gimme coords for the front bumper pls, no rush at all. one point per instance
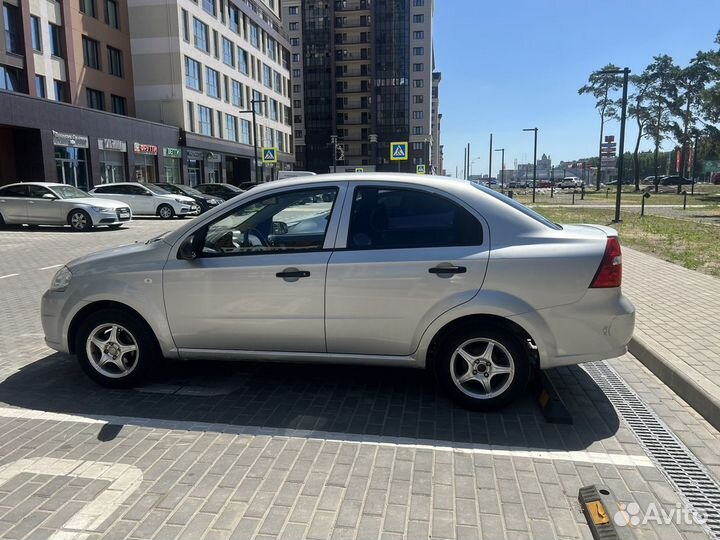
(52, 317)
(188, 210)
(111, 216)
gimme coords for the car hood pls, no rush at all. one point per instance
(183, 198)
(97, 201)
(122, 258)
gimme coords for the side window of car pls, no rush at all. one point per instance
(390, 218)
(14, 191)
(36, 192)
(108, 189)
(291, 221)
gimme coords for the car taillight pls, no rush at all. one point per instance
(609, 274)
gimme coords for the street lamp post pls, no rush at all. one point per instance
(334, 141)
(258, 171)
(490, 161)
(502, 170)
(534, 161)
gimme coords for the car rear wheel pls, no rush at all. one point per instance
(79, 220)
(483, 369)
(165, 211)
(115, 348)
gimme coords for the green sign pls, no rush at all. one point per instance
(711, 166)
(172, 152)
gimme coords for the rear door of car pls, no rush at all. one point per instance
(116, 192)
(405, 255)
(13, 203)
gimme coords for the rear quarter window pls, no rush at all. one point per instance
(519, 207)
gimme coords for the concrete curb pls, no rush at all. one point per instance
(707, 405)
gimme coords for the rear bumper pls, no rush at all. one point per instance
(597, 327)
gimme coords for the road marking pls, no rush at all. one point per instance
(404, 442)
(49, 267)
(9, 275)
(124, 480)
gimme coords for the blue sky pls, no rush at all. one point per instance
(514, 64)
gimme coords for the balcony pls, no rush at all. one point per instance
(345, 6)
(350, 57)
(352, 24)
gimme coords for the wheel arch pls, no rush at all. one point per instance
(70, 213)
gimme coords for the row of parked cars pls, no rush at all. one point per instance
(111, 205)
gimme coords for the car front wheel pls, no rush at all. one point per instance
(80, 221)
(165, 211)
(115, 348)
(483, 369)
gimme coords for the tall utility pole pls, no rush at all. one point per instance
(502, 170)
(490, 161)
(258, 170)
(467, 160)
(464, 163)
(534, 161)
(621, 158)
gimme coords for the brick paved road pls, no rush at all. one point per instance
(273, 451)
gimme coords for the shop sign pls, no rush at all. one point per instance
(70, 139)
(214, 157)
(172, 152)
(112, 144)
(150, 149)
(194, 154)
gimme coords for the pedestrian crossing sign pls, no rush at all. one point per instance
(269, 155)
(398, 151)
(420, 169)
(359, 169)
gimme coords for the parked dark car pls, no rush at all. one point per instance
(247, 185)
(224, 191)
(674, 180)
(206, 202)
(716, 179)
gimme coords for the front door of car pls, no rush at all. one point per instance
(13, 203)
(405, 255)
(117, 192)
(258, 282)
(41, 209)
(143, 200)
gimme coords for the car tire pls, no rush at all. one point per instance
(495, 363)
(114, 367)
(165, 211)
(80, 221)
(2, 221)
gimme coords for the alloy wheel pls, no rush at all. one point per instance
(112, 350)
(482, 368)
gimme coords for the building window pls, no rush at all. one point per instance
(231, 127)
(95, 99)
(13, 41)
(59, 91)
(418, 51)
(417, 130)
(296, 73)
(237, 94)
(267, 76)
(258, 105)
(242, 61)
(293, 26)
(185, 26)
(271, 49)
(418, 3)
(91, 52)
(293, 10)
(220, 124)
(115, 62)
(296, 57)
(418, 99)
(419, 34)
(88, 7)
(205, 120)
(36, 36)
(419, 19)
(245, 131)
(273, 110)
(212, 78)
(209, 6)
(55, 47)
(418, 146)
(296, 89)
(191, 117)
(254, 36)
(234, 19)
(418, 83)
(418, 115)
(40, 86)
(112, 13)
(201, 35)
(192, 74)
(294, 42)
(119, 104)
(228, 52)
(216, 45)
(10, 79)
(418, 68)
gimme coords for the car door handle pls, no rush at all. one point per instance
(292, 273)
(448, 270)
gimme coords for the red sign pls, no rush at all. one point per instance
(677, 161)
(145, 149)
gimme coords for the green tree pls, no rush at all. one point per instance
(600, 85)
(639, 109)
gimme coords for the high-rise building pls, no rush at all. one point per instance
(362, 75)
(436, 159)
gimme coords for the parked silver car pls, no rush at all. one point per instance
(148, 199)
(375, 269)
(48, 203)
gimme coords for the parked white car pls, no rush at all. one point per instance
(570, 182)
(148, 200)
(49, 203)
(372, 269)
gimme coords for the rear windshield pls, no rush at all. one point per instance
(517, 206)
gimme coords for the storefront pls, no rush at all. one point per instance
(173, 159)
(195, 167)
(145, 162)
(214, 167)
(113, 159)
(71, 159)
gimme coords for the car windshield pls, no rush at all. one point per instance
(157, 190)
(517, 206)
(69, 192)
(187, 190)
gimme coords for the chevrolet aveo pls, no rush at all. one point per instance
(372, 269)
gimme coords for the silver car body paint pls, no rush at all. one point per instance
(371, 306)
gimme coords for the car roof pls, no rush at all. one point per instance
(122, 184)
(44, 184)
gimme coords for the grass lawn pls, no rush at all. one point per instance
(693, 245)
(704, 194)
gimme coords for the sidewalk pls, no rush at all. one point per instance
(677, 332)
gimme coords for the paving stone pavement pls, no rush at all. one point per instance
(295, 451)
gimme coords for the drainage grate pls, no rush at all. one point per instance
(698, 489)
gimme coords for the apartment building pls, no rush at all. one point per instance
(436, 158)
(202, 65)
(362, 73)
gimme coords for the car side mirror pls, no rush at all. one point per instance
(187, 251)
(49, 196)
(279, 228)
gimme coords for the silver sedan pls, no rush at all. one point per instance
(47, 203)
(373, 269)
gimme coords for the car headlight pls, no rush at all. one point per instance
(181, 201)
(61, 279)
(101, 209)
